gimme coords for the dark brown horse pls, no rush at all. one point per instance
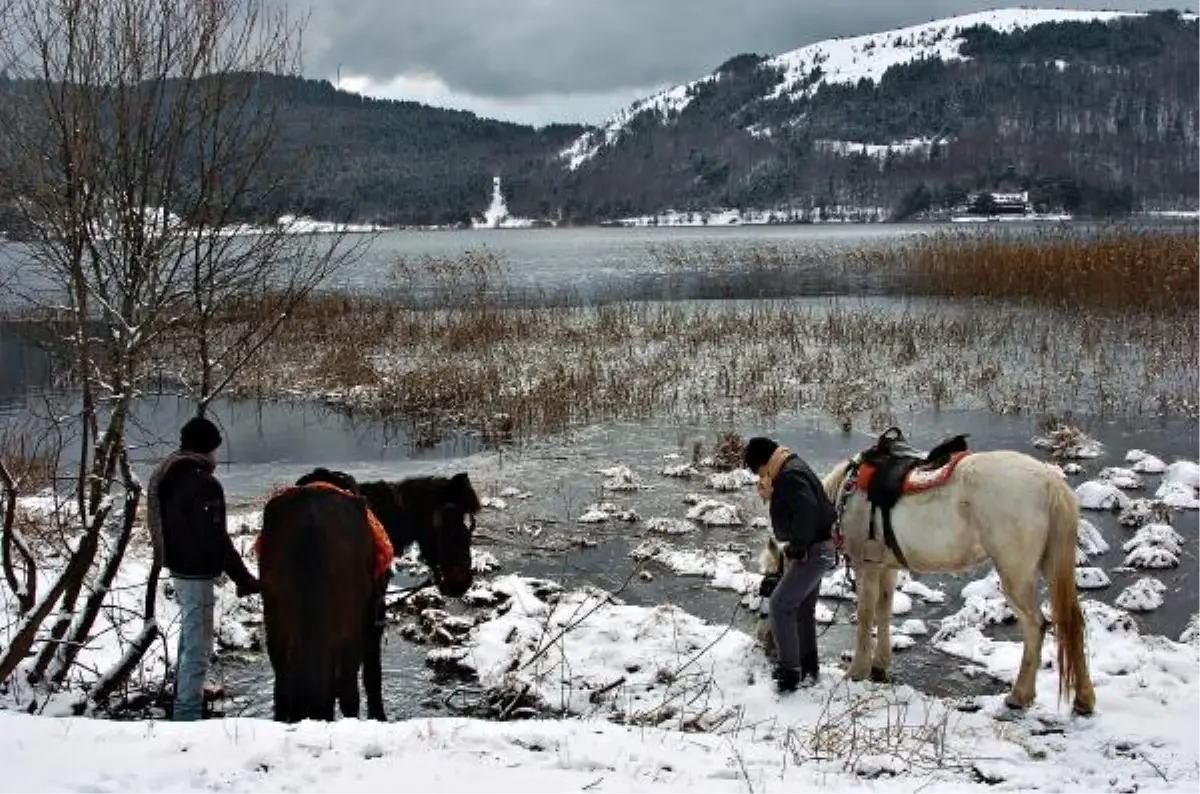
(323, 581)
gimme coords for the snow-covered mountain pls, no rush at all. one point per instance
(836, 61)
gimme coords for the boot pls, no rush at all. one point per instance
(786, 679)
(810, 670)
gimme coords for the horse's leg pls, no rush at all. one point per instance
(348, 697)
(372, 666)
(882, 660)
(277, 653)
(866, 589)
(1021, 592)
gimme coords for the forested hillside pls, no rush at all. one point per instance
(1095, 116)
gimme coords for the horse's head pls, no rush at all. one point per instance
(447, 548)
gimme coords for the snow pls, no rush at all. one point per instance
(622, 478)
(661, 671)
(712, 512)
(1144, 595)
(1180, 486)
(1154, 546)
(724, 569)
(1125, 479)
(663, 525)
(591, 657)
(880, 151)
(237, 621)
(1097, 495)
(1091, 579)
(840, 61)
(734, 480)
(1091, 542)
(662, 105)
(1145, 463)
(604, 511)
(849, 60)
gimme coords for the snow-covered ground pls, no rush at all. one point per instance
(760, 217)
(237, 620)
(667, 675)
(621, 696)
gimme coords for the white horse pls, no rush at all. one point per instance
(1001, 505)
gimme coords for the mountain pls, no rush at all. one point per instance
(343, 156)
(1093, 112)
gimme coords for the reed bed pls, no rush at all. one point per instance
(512, 373)
(1119, 269)
(1068, 324)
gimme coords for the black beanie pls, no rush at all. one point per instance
(758, 451)
(200, 436)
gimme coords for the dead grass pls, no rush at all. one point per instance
(31, 466)
(530, 371)
(1118, 269)
(442, 346)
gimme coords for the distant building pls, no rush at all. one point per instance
(990, 203)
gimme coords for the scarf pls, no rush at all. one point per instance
(766, 480)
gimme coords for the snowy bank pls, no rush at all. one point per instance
(237, 622)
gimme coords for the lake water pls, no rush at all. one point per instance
(270, 443)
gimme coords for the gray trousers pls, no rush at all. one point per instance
(794, 605)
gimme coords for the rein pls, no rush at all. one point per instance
(409, 592)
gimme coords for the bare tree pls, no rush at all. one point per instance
(141, 133)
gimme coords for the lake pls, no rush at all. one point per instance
(273, 442)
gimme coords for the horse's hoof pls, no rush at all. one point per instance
(1014, 704)
(1083, 709)
(880, 676)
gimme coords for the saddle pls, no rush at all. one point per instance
(893, 467)
(345, 484)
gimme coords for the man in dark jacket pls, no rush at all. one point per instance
(802, 518)
(186, 517)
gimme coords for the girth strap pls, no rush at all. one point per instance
(889, 535)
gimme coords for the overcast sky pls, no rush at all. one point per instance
(540, 61)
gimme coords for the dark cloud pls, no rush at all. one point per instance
(511, 49)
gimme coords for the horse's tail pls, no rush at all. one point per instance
(1059, 569)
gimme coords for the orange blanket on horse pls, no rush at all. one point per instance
(383, 544)
(918, 479)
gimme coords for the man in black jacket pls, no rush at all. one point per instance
(186, 517)
(802, 518)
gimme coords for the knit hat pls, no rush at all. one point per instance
(758, 451)
(200, 436)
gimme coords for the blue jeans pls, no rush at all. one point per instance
(197, 602)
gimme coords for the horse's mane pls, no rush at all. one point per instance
(339, 479)
(832, 482)
(426, 494)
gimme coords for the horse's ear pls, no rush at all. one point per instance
(464, 493)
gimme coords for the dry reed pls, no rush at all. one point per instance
(1117, 269)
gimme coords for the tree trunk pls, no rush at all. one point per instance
(120, 672)
(9, 537)
(27, 634)
(82, 628)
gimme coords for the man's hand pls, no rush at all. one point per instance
(249, 587)
(795, 554)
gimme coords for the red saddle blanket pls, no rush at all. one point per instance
(918, 478)
(383, 544)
